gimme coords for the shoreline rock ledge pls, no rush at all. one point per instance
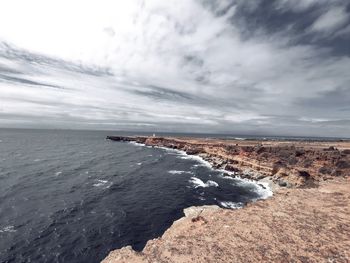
(307, 221)
(286, 163)
(296, 225)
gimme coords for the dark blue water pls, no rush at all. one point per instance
(72, 196)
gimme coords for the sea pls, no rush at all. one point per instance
(73, 196)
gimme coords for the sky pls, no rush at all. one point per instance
(261, 67)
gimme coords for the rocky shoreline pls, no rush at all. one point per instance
(307, 220)
(286, 163)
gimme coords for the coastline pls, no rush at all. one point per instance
(306, 220)
(265, 182)
(295, 225)
(284, 163)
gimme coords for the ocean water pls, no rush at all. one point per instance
(72, 196)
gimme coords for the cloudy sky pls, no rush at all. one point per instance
(272, 67)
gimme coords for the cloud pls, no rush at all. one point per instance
(331, 20)
(213, 66)
(299, 6)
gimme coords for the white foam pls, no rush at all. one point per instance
(100, 183)
(199, 183)
(229, 175)
(137, 143)
(231, 205)
(37, 160)
(176, 172)
(182, 154)
(196, 158)
(262, 188)
(179, 172)
(212, 183)
(9, 229)
(139, 163)
(264, 191)
(58, 173)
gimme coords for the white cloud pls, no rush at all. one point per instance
(296, 5)
(176, 65)
(331, 20)
(305, 5)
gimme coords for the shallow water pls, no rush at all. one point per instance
(72, 196)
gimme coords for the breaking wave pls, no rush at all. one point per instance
(196, 182)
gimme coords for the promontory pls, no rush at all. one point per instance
(306, 220)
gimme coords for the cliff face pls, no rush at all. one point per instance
(288, 164)
(296, 225)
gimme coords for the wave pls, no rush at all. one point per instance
(199, 183)
(137, 143)
(262, 188)
(8, 229)
(179, 172)
(195, 158)
(100, 183)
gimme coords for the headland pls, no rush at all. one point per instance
(307, 219)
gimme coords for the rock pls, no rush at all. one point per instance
(124, 255)
(282, 183)
(304, 174)
(307, 163)
(337, 173)
(343, 165)
(260, 176)
(292, 160)
(231, 168)
(195, 211)
(331, 148)
(325, 170)
(260, 150)
(299, 152)
(192, 151)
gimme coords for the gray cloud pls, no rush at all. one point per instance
(21, 81)
(335, 100)
(159, 93)
(233, 66)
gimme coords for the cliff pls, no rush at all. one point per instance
(306, 221)
(296, 225)
(291, 164)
